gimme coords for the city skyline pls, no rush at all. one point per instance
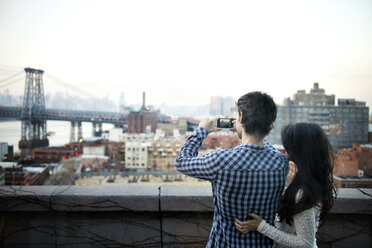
(64, 100)
(184, 53)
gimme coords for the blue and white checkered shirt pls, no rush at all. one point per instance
(246, 179)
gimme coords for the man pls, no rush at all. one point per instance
(247, 179)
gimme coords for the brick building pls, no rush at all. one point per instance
(346, 166)
(53, 154)
(354, 162)
(24, 175)
(139, 120)
(114, 150)
(221, 140)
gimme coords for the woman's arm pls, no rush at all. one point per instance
(305, 226)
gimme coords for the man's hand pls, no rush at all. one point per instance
(292, 170)
(208, 124)
(233, 122)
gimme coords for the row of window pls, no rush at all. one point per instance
(356, 110)
(135, 158)
(135, 164)
(135, 149)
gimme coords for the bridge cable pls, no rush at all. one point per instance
(12, 82)
(69, 85)
(12, 67)
(11, 77)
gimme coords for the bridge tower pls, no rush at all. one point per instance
(34, 133)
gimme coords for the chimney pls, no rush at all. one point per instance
(143, 100)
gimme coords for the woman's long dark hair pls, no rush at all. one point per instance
(308, 147)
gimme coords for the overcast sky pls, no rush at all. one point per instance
(184, 52)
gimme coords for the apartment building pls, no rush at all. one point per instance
(345, 123)
(136, 155)
(163, 152)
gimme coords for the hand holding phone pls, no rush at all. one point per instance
(225, 123)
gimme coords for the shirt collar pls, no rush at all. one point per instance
(253, 146)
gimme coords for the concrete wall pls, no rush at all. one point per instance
(145, 216)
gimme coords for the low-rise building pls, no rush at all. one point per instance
(114, 134)
(170, 126)
(355, 161)
(38, 174)
(114, 150)
(352, 182)
(53, 154)
(94, 149)
(93, 162)
(221, 140)
(345, 166)
(163, 152)
(16, 174)
(138, 137)
(136, 155)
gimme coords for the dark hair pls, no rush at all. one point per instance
(308, 147)
(259, 113)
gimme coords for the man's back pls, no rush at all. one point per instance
(246, 179)
(251, 181)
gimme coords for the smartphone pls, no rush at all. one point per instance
(225, 123)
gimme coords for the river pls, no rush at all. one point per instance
(10, 132)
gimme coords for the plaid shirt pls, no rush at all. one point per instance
(246, 179)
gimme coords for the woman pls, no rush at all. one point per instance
(310, 194)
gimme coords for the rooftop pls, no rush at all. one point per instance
(147, 216)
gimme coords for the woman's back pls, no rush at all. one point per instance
(309, 197)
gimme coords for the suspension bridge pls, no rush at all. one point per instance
(34, 115)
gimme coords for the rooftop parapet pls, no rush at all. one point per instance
(146, 216)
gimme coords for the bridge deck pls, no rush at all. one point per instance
(65, 115)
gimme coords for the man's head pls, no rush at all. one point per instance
(257, 113)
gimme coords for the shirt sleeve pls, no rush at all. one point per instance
(305, 226)
(188, 163)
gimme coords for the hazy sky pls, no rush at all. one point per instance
(183, 52)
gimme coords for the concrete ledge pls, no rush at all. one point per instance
(353, 201)
(79, 198)
(186, 199)
(142, 198)
(146, 216)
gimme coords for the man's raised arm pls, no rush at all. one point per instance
(188, 163)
